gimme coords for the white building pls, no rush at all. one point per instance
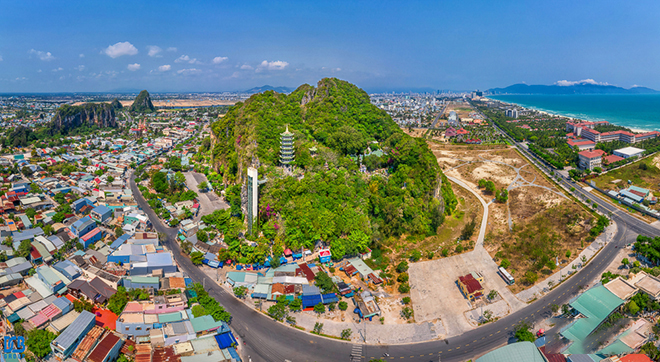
(629, 152)
(253, 196)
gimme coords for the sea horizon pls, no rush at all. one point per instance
(639, 112)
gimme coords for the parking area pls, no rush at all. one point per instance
(435, 293)
(208, 201)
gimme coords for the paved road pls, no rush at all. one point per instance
(437, 118)
(268, 340)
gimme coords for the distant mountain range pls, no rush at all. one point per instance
(269, 87)
(578, 88)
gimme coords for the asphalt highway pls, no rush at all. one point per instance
(268, 340)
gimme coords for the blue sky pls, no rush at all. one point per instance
(379, 45)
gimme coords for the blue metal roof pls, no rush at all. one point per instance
(120, 240)
(225, 340)
(101, 210)
(630, 195)
(62, 303)
(329, 298)
(82, 223)
(311, 300)
(77, 328)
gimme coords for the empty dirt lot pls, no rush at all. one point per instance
(435, 294)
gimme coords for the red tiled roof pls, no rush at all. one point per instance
(592, 154)
(612, 158)
(580, 142)
(636, 358)
(35, 254)
(50, 311)
(637, 193)
(309, 274)
(553, 357)
(103, 348)
(374, 278)
(91, 234)
(277, 288)
(470, 283)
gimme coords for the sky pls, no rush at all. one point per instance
(213, 46)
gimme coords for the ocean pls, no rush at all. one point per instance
(639, 112)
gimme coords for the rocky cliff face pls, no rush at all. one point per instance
(89, 114)
(116, 104)
(142, 103)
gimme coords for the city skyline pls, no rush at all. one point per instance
(208, 46)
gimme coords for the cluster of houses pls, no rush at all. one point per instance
(635, 196)
(102, 242)
(460, 135)
(590, 311)
(295, 278)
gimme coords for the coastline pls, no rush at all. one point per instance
(556, 114)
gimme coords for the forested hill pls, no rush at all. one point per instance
(334, 202)
(68, 117)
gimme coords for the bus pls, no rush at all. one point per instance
(505, 275)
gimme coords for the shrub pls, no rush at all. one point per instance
(404, 288)
(402, 278)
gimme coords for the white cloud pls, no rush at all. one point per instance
(189, 71)
(171, 49)
(154, 50)
(80, 68)
(119, 49)
(336, 69)
(39, 71)
(185, 58)
(568, 83)
(218, 60)
(133, 67)
(274, 65)
(246, 67)
(45, 56)
(0, 58)
(58, 69)
(164, 68)
(81, 55)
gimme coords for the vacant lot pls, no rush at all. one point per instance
(445, 243)
(536, 226)
(644, 173)
(462, 109)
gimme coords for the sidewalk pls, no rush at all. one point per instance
(376, 333)
(543, 288)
